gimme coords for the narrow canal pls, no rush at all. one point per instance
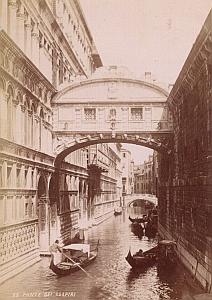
(112, 277)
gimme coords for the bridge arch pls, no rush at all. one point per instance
(160, 144)
(143, 201)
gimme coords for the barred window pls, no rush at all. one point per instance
(90, 114)
(137, 113)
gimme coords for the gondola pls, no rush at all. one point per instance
(75, 257)
(137, 228)
(150, 229)
(167, 256)
(138, 220)
(142, 260)
(117, 211)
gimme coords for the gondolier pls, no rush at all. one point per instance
(56, 252)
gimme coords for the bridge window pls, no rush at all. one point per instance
(90, 114)
(136, 113)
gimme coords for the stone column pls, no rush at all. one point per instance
(27, 28)
(35, 45)
(20, 27)
(12, 19)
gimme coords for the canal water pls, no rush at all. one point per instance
(112, 277)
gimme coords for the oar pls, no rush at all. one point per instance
(78, 265)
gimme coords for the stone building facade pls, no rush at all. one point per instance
(44, 46)
(127, 172)
(185, 176)
(144, 177)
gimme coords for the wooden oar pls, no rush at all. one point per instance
(77, 265)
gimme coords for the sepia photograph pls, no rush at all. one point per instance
(106, 149)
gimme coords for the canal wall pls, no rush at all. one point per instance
(198, 269)
(19, 264)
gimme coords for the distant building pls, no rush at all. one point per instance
(143, 177)
(127, 172)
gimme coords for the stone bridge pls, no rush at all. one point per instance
(110, 107)
(129, 199)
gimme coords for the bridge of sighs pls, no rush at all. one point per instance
(110, 107)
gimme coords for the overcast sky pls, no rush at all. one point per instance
(146, 35)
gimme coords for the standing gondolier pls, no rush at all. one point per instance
(56, 251)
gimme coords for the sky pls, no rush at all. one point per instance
(146, 36)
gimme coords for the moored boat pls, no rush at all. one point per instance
(164, 254)
(74, 258)
(139, 220)
(117, 211)
(137, 230)
(167, 256)
(142, 260)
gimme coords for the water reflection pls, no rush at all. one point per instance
(112, 277)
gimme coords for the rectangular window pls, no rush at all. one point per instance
(137, 113)
(90, 114)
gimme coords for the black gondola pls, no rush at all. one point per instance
(167, 256)
(150, 229)
(164, 254)
(138, 220)
(142, 260)
(72, 263)
(137, 230)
